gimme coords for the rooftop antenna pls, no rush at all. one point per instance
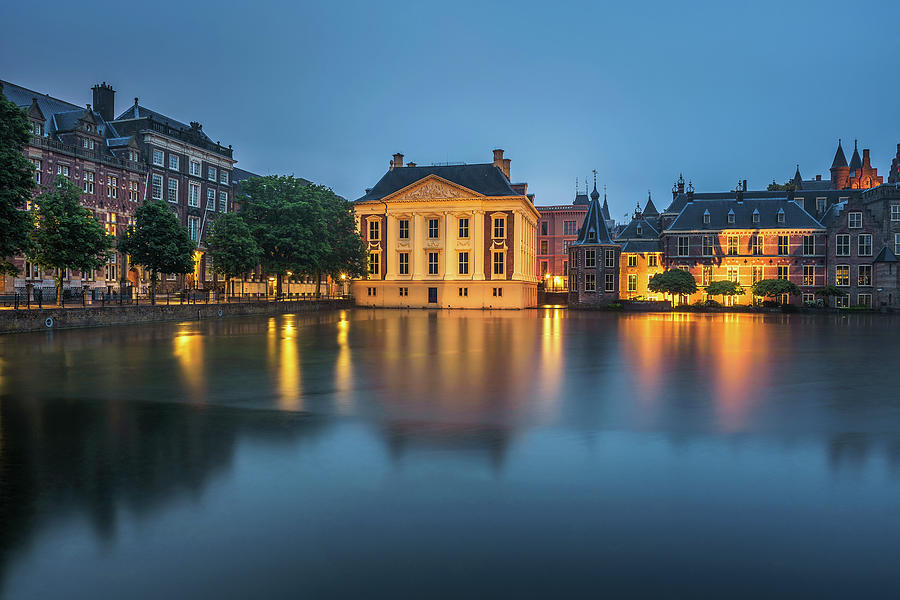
(604, 192)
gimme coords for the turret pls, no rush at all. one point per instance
(840, 172)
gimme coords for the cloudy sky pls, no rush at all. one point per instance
(639, 91)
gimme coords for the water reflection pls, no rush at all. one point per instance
(515, 420)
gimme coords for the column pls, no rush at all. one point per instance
(390, 256)
(478, 243)
(448, 266)
(417, 256)
(518, 249)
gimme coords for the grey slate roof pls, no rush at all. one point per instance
(814, 185)
(594, 230)
(641, 246)
(136, 111)
(486, 179)
(22, 97)
(839, 159)
(691, 217)
(605, 208)
(832, 214)
(886, 255)
(650, 209)
(855, 160)
(648, 230)
(581, 200)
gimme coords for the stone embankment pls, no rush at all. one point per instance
(24, 320)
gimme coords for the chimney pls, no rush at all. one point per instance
(498, 159)
(398, 160)
(867, 164)
(818, 178)
(505, 168)
(410, 164)
(105, 101)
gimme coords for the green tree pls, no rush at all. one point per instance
(231, 248)
(787, 186)
(339, 250)
(66, 235)
(16, 183)
(158, 242)
(279, 212)
(723, 288)
(829, 291)
(773, 288)
(674, 282)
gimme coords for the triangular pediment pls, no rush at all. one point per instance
(35, 112)
(432, 187)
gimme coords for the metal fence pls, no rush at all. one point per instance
(98, 297)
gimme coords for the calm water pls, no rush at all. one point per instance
(455, 454)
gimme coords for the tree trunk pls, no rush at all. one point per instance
(318, 284)
(59, 284)
(152, 286)
(278, 284)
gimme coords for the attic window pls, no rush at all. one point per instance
(781, 215)
(731, 216)
(592, 236)
(640, 229)
(706, 217)
(756, 215)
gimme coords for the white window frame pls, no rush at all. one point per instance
(842, 244)
(157, 183)
(590, 258)
(860, 249)
(211, 173)
(159, 157)
(194, 194)
(170, 189)
(174, 162)
(223, 201)
(434, 263)
(684, 245)
(590, 282)
(854, 220)
(223, 176)
(194, 168)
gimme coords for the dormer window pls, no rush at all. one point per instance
(781, 215)
(706, 217)
(731, 217)
(592, 236)
(756, 215)
(640, 230)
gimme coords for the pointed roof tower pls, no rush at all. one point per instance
(855, 160)
(594, 230)
(650, 209)
(798, 179)
(839, 159)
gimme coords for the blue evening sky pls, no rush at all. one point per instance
(639, 91)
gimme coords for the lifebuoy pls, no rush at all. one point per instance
(220, 312)
(48, 322)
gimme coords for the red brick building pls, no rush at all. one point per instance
(557, 228)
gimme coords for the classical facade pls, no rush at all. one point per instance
(594, 261)
(454, 236)
(83, 145)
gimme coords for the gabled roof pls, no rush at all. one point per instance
(136, 111)
(839, 159)
(23, 98)
(650, 209)
(641, 246)
(648, 230)
(581, 200)
(593, 230)
(886, 255)
(832, 213)
(855, 160)
(485, 179)
(691, 217)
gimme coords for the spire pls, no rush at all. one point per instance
(839, 159)
(605, 209)
(595, 195)
(650, 209)
(594, 229)
(798, 179)
(855, 161)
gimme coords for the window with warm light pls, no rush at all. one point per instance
(842, 275)
(732, 245)
(809, 275)
(864, 275)
(783, 244)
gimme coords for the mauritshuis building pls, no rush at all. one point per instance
(842, 231)
(119, 162)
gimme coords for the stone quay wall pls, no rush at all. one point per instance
(24, 320)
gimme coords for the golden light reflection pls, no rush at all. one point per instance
(343, 372)
(289, 392)
(552, 363)
(188, 350)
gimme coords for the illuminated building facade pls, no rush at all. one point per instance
(642, 255)
(557, 228)
(594, 261)
(448, 236)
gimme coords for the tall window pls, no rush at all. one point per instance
(112, 186)
(706, 217)
(820, 205)
(897, 244)
(610, 259)
(755, 215)
(842, 275)
(195, 168)
(133, 191)
(434, 228)
(783, 244)
(756, 274)
(544, 247)
(895, 210)
(732, 241)
(590, 259)
(632, 260)
(708, 245)
(432, 263)
(780, 215)
(854, 220)
(864, 244)
(499, 227)
(64, 171)
(544, 227)
(88, 182)
(610, 282)
(404, 229)
(404, 263)
(569, 227)
(374, 231)
(706, 275)
(732, 274)
(223, 176)
(783, 272)
(590, 282)
(223, 201)
(632, 282)
(499, 263)
(464, 228)
(173, 190)
(809, 245)
(211, 173)
(156, 188)
(173, 162)
(158, 158)
(731, 217)
(842, 244)
(463, 263)
(111, 267)
(110, 225)
(757, 245)
(809, 275)
(864, 275)
(194, 196)
(374, 263)
(37, 169)
(210, 199)
(684, 245)
(194, 228)
(652, 261)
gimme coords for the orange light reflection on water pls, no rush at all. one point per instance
(188, 351)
